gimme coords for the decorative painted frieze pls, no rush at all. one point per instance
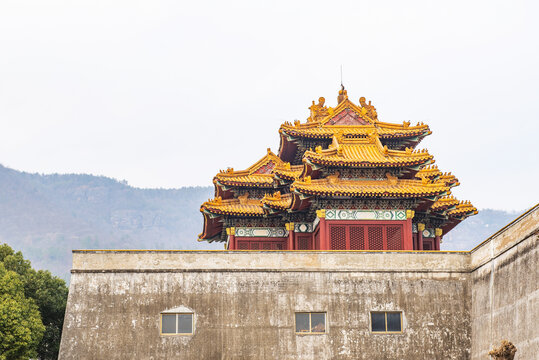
(333, 214)
(303, 227)
(261, 232)
(429, 233)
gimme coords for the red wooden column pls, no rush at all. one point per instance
(408, 243)
(438, 233)
(231, 232)
(420, 228)
(291, 235)
(324, 240)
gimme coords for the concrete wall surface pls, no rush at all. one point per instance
(455, 305)
(250, 314)
(505, 289)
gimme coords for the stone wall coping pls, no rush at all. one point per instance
(151, 261)
(509, 236)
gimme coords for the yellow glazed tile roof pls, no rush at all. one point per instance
(366, 152)
(391, 187)
(264, 180)
(449, 179)
(430, 172)
(278, 201)
(242, 206)
(287, 171)
(463, 209)
(324, 123)
(327, 131)
(444, 203)
(258, 174)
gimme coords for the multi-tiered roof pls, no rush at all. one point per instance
(341, 157)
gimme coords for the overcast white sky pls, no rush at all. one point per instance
(166, 93)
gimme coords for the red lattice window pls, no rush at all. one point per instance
(262, 244)
(243, 245)
(304, 242)
(357, 237)
(351, 235)
(317, 239)
(376, 238)
(394, 237)
(338, 237)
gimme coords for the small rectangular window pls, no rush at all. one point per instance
(177, 324)
(311, 323)
(386, 321)
(168, 323)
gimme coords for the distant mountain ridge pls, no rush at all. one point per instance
(46, 216)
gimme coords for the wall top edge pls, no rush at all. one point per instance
(150, 251)
(260, 260)
(523, 216)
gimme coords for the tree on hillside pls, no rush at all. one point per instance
(31, 289)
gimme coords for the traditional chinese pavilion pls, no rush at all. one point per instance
(342, 180)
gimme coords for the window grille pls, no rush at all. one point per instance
(338, 237)
(243, 245)
(255, 246)
(357, 238)
(376, 240)
(394, 237)
(266, 246)
(303, 242)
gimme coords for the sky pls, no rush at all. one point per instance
(166, 93)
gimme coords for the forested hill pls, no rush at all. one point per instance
(46, 216)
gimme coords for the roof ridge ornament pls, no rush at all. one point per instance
(372, 136)
(392, 180)
(318, 111)
(334, 178)
(370, 110)
(343, 95)
(244, 198)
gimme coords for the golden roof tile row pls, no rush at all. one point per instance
(444, 203)
(463, 209)
(391, 187)
(366, 152)
(241, 206)
(278, 201)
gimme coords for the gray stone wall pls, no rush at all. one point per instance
(456, 305)
(505, 289)
(246, 310)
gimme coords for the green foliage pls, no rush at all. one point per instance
(21, 328)
(31, 310)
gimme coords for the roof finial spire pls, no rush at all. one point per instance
(342, 93)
